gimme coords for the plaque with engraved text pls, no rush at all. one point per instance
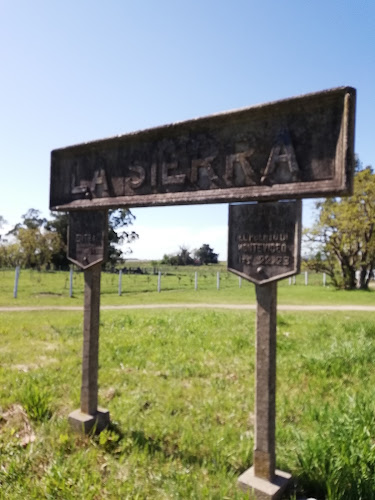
(294, 148)
(264, 240)
(87, 237)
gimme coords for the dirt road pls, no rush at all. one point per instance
(249, 307)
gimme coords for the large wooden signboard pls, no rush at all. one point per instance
(295, 148)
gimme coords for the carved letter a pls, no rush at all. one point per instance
(99, 184)
(282, 166)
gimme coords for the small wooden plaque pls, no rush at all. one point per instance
(87, 237)
(264, 240)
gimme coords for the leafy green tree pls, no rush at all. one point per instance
(206, 255)
(30, 220)
(119, 235)
(119, 222)
(58, 224)
(343, 238)
(169, 260)
(9, 254)
(35, 245)
(2, 223)
(182, 258)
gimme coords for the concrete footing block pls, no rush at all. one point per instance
(84, 423)
(262, 489)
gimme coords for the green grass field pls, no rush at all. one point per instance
(52, 288)
(179, 385)
(180, 389)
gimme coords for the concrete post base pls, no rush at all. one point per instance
(84, 423)
(261, 488)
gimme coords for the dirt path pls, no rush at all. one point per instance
(249, 307)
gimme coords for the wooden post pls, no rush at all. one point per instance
(89, 414)
(16, 278)
(120, 282)
(265, 387)
(159, 281)
(71, 282)
(262, 478)
(89, 388)
(218, 280)
(196, 281)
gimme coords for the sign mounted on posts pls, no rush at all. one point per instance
(87, 237)
(264, 240)
(287, 150)
(294, 148)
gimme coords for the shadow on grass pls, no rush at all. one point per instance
(117, 442)
(166, 447)
(307, 487)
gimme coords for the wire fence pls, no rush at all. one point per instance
(71, 283)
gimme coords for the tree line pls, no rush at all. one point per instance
(342, 241)
(37, 242)
(203, 255)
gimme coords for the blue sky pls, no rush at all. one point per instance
(76, 71)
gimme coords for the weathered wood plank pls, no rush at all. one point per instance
(295, 148)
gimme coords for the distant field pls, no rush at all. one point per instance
(180, 389)
(177, 286)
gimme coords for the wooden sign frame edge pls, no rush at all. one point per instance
(341, 184)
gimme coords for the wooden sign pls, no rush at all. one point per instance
(295, 148)
(87, 237)
(264, 240)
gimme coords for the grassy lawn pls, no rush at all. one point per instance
(52, 288)
(180, 389)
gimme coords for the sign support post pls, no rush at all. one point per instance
(263, 478)
(120, 282)
(87, 237)
(89, 388)
(265, 390)
(263, 247)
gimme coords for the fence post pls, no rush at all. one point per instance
(71, 282)
(239, 282)
(290, 281)
(294, 279)
(218, 280)
(15, 289)
(159, 281)
(196, 280)
(306, 278)
(324, 279)
(120, 282)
